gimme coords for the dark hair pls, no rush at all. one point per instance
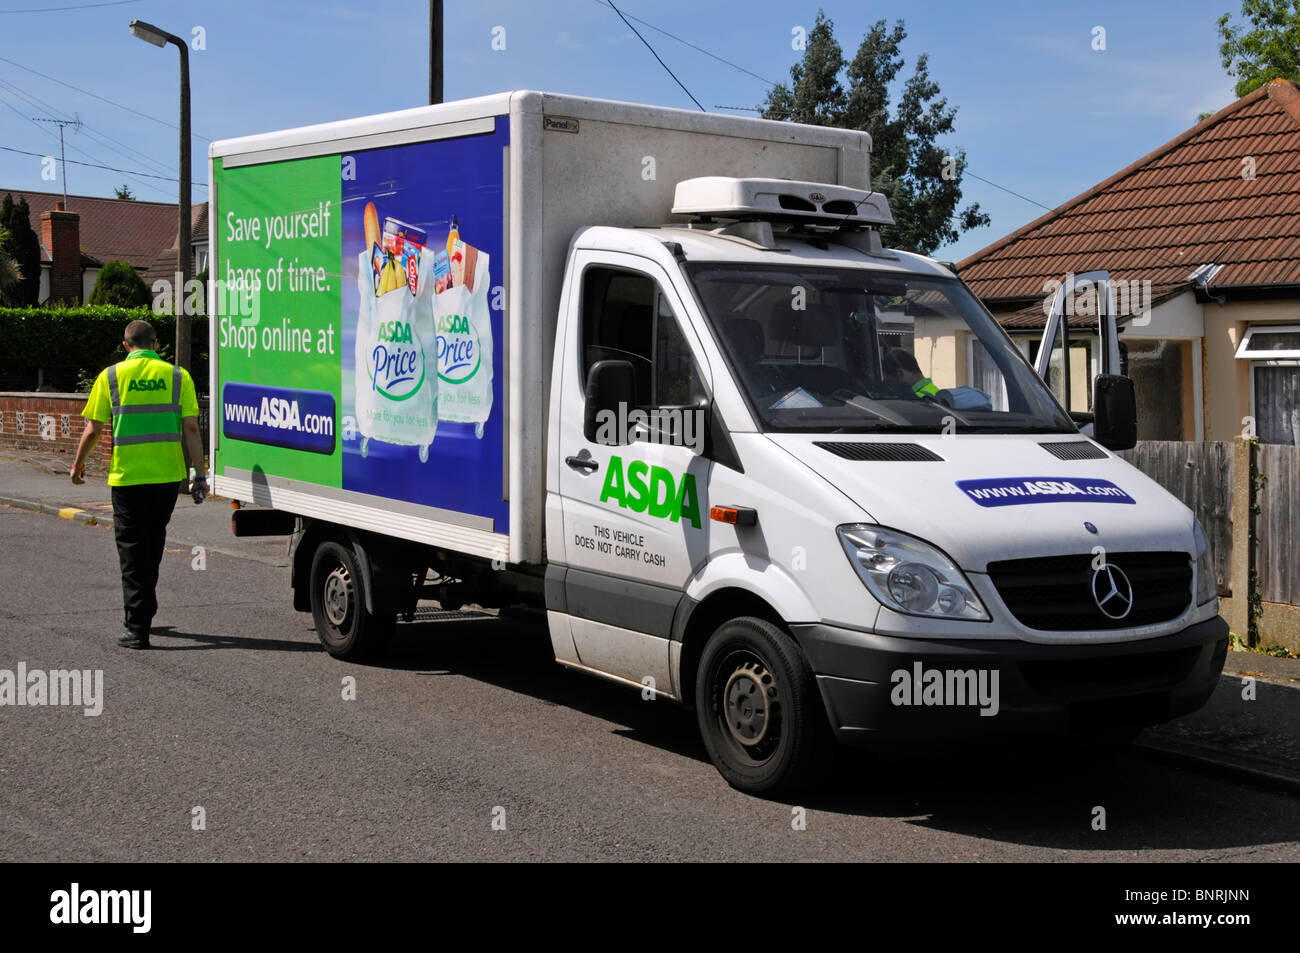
(903, 360)
(140, 334)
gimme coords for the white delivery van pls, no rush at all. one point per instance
(653, 371)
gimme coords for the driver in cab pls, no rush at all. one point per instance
(901, 366)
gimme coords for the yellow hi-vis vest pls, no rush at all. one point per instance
(144, 395)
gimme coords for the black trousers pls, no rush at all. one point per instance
(140, 517)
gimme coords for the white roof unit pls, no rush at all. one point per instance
(814, 202)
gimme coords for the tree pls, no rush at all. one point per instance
(10, 273)
(24, 248)
(921, 180)
(119, 284)
(1269, 50)
(123, 191)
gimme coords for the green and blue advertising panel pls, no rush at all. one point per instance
(360, 326)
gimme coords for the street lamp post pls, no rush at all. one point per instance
(151, 34)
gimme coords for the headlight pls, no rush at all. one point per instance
(909, 575)
(1206, 584)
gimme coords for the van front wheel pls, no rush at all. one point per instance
(759, 710)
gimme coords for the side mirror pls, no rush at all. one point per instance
(610, 386)
(1114, 407)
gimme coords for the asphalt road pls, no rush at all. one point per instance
(240, 712)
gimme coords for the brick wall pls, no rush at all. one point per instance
(49, 423)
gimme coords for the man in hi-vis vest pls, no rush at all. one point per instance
(151, 407)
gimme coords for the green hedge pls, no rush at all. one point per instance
(64, 349)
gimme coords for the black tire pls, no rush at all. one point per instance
(338, 606)
(778, 746)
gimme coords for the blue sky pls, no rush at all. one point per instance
(1039, 111)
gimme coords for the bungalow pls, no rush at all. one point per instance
(77, 241)
(1207, 230)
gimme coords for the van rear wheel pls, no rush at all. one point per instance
(759, 710)
(338, 606)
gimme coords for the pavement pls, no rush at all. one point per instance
(1249, 730)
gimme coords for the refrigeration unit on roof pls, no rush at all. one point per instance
(814, 203)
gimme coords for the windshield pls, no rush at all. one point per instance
(856, 351)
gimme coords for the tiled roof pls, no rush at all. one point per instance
(126, 229)
(1033, 317)
(1185, 205)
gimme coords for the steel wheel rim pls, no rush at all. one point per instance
(339, 597)
(747, 706)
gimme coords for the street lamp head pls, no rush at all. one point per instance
(149, 33)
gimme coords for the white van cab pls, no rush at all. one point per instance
(888, 523)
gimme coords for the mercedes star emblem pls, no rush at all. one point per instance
(1112, 591)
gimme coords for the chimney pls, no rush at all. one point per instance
(61, 236)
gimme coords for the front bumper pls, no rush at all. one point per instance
(881, 691)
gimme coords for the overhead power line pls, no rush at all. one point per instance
(674, 36)
(96, 165)
(78, 6)
(655, 55)
(965, 170)
(97, 162)
(103, 99)
(38, 103)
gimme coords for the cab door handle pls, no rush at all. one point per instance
(585, 464)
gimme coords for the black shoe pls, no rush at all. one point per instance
(127, 640)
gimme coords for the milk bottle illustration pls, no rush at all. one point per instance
(463, 322)
(396, 388)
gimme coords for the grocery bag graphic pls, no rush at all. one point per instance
(463, 318)
(396, 385)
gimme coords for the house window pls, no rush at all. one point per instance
(1271, 342)
(1274, 353)
(1275, 401)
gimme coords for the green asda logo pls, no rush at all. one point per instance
(147, 385)
(458, 349)
(396, 332)
(651, 489)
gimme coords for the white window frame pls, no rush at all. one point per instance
(1245, 353)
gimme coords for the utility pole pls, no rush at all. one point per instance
(435, 52)
(63, 159)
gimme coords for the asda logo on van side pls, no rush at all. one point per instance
(458, 349)
(396, 364)
(650, 489)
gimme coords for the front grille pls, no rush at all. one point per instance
(1054, 593)
(882, 451)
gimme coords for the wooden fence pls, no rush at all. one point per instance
(1199, 474)
(1277, 527)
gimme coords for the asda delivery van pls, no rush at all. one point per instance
(653, 371)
